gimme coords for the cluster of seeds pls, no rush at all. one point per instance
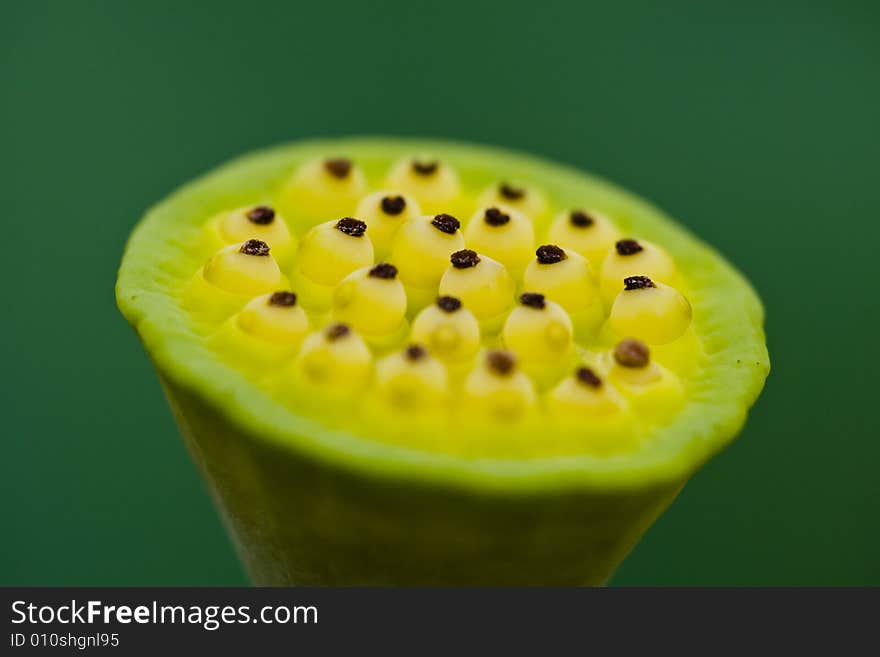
(426, 297)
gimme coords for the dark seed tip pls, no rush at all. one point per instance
(632, 353)
(580, 219)
(261, 215)
(511, 192)
(500, 362)
(283, 299)
(533, 300)
(255, 248)
(550, 254)
(637, 283)
(352, 226)
(588, 377)
(425, 168)
(464, 259)
(448, 304)
(495, 217)
(446, 223)
(336, 332)
(338, 167)
(384, 270)
(415, 352)
(628, 247)
(393, 205)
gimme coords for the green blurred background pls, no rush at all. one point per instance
(756, 124)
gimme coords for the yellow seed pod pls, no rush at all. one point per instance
(652, 389)
(320, 189)
(595, 410)
(506, 235)
(384, 212)
(586, 232)
(510, 195)
(497, 389)
(434, 183)
(634, 258)
(411, 380)
(251, 222)
(420, 251)
(483, 285)
(275, 318)
(653, 312)
(266, 332)
(562, 276)
(585, 395)
(448, 329)
(328, 253)
(566, 277)
(230, 278)
(335, 358)
(539, 331)
(372, 300)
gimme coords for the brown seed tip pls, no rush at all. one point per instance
(336, 332)
(448, 304)
(495, 217)
(415, 352)
(632, 353)
(338, 167)
(501, 362)
(550, 254)
(446, 223)
(393, 205)
(384, 270)
(588, 377)
(351, 226)
(628, 247)
(510, 192)
(261, 215)
(255, 248)
(424, 168)
(533, 300)
(580, 219)
(637, 283)
(464, 259)
(283, 299)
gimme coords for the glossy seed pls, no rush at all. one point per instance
(495, 217)
(384, 270)
(533, 300)
(628, 247)
(393, 205)
(255, 248)
(632, 353)
(351, 226)
(637, 283)
(448, 304)
(446, 223)
(464, 259)
(550, 254)
(282, 299)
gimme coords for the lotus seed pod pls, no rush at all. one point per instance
(343, 443)
(652, 389)
(251, 222)
(650, 311)
(328, 253)
(412, 380)
(432, 182)
(449, 330)
(566, 277)
(498, 389)
(483, 285)
(420, 251)
(634, 258)
(372, 301)
(514, 196)
(336, 358)
(322, 188)
(231, 277)
(265, 333)
(539, 332)
(384, 212)
(506, 235)
(586, 232)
